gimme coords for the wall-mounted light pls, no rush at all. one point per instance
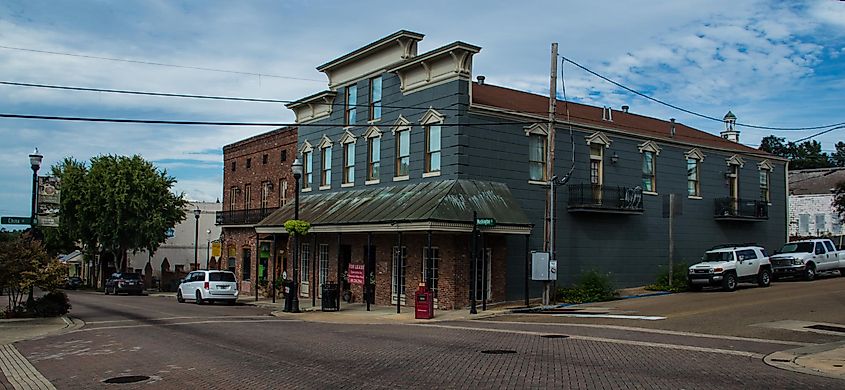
(614, 158)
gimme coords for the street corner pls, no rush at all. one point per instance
(14, 330)
(827, 360)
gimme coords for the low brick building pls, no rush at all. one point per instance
(256, 181)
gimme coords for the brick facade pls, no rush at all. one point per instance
(252, 166)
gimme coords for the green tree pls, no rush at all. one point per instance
(118, 204)
(839, 200)
(837, 159)
(777, 146)
(26, 264)
(809, 155)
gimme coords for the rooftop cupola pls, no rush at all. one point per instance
(730, 133)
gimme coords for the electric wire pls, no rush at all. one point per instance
(159, 64)
(661, 102)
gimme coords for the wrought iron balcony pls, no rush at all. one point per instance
(605, 199)
(242, 217)
(734, 209)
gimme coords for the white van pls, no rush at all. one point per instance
(208, 286)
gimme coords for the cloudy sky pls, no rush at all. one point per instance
(772, 63)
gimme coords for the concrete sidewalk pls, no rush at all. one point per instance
(824, 360)
(18, 329)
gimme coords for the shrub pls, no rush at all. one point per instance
(679, 279)
(51, 305)
(592, 287)
(297, 227)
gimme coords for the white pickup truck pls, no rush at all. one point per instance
(807, 258)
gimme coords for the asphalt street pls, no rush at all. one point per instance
(217, 346)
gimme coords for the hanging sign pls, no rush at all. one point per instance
(355, 274)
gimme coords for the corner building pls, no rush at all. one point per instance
(404, 149)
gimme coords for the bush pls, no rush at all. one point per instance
(592, 287)
(679, 279)
(53, 304)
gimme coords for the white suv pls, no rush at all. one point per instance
(208, 286)
(727, 265)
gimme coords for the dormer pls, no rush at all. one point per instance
(372, 58)
(450, 62)
(313, 107)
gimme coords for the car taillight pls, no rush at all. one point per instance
(205, 286)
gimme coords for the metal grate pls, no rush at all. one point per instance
(127, 379)
(498, 351)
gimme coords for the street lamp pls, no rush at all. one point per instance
(207, 247)
(35, 163)
(296, 169)
(196, 237)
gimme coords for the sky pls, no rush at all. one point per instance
(772, 63)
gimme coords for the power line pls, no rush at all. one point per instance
(690, 111)
(122, 91)
(159, 64)
(819, 133)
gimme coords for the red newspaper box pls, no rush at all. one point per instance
(423, 303)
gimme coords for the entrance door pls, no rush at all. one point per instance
(733, 188)
(483, 278)
(397, 282)
(345, 259)
(430, 270)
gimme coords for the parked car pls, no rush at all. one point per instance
(807, 258)
(727, 265)
(208, 286)
(73, 282)
(124, 282)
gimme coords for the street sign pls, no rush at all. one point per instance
(485, 222)
(16, 220)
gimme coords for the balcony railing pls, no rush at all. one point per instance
(734, 209)
(605, 199)
(242, 217)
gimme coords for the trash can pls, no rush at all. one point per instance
(330, 297)
(287, 287)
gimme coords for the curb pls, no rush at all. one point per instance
(789, 359)
(550, 307)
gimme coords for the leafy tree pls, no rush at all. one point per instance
(837, 159)
(26, 264)
(839, 200)
(776, 146)
(118, 204)
(809, 155)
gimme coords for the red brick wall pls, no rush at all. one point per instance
(271, 144)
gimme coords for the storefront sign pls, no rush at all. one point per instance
(49, 198)
(355, 275)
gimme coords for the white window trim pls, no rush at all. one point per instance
(537, 129)
(401, 178)
(431, 174)
(371, 182)
(431, 117)
(372, 132)
(735, 160)
(695, 154)
(347, 138)
(401, 124)
(694, 197)
(347, 185)
(538, 182)
(765, 164)
(649, 146)
(326, 142)
(650, 193)
(306, 147)
(598, 138)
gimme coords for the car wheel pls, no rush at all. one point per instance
(729, 283)
(764, 279)
(199, 300)
(810, 273)
(179, 297)
(842, 272)
(106, 290)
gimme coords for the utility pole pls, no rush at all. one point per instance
(550, 169)
(671, 236)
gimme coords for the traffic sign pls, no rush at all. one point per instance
(485, 222)
(16, 220)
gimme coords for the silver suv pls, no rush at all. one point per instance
(208, 286)
(727, 265)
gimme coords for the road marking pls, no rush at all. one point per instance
(608, 340)
(658, 331)
(181, 323)
(170, 318)
(19, 372)
(614, 316)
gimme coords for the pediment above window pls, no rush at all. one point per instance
(735, 160)
(431, 116)
(649, 146)
(598, 138)
(347, 138)
(372, 132)
(536, 129)
(765, 164)
(695, 154)
(400, 124)
(326, 142)
(306, 147)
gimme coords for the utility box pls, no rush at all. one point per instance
(542, 267)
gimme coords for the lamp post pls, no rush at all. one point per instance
(196, 237)
(296, 169)
(35, 164)
(207, 247)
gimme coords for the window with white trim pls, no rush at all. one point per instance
(351, 105)
(375, 98)
(349, 163)
(305, 255)
(373, 157)
(308, 169)
(247, 196)
(650, 150)
(265, 193)
(326, 167)
(765, 180)
(432, 148)
(537, 157)
(403, 152)
(324, 265)
(694, 159)
(431, 261)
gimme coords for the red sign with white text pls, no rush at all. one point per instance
(355, 275)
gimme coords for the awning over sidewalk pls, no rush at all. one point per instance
(445, 205)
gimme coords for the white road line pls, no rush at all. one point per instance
(170, 318)
(607, 340)
(19, 372)
(614, 316)
(658, 331)
(179, 323)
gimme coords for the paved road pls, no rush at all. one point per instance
(232, 347)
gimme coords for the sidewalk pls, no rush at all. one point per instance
(18, 329)
(824, 360)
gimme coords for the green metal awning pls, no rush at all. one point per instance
(445, 205)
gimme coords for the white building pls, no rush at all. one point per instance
(811, 211)
(179, 248)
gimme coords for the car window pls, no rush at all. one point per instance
(131, 276)
(819, 248)
(829, 246)
(746, 254)
(763, 251)
(197, 277)
(221, 277)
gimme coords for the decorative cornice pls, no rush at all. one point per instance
(306, 147)
(695, 153)
(598, 138)
(649, 146)
(765, 164)
(325, 142)
(536, 129)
